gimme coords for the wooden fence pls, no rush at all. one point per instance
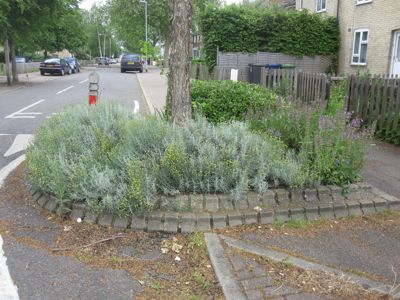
(305, 87)
(375, 99)
(201, 72)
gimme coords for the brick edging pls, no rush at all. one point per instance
(326, 202)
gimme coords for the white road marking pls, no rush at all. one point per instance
(8, 169)
(20, 143)
(136, 108)
(83, 81)
(8, 290)
(21, 115)
(3, 134)
(66, 89)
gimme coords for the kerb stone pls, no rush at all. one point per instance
(326, 211)
(42, 200)
(297, 196)
(187, 223)
(341, 211)
(312, 214)
(324, 194)
(78, 211)
(182, 201)
(268, 199)
(282, 215)
(171, 222)
(354, 208)
(211, 202)
(311, 196)
(266, 217)
(196, 202)
(282, 196)
(226, 202)
(337, 194)
(105, 220)
(36, 196)
(297, 214)
(138, 222)
(380, 204)
(51, 205)
(367, 207)
(241, 203)
(250, 217)
(219, 220)
(203, 221)
(253, 200)
(235, 218)
(121, 222)
(155, 222)
(91, 218)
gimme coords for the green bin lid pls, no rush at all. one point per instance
(288, 66)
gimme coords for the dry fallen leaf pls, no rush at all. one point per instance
(176, 247)
(177, 258)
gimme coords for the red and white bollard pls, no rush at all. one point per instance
(93, 88)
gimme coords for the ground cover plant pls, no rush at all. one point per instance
(116, 162)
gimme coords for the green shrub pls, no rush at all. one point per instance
(116, 162)
(329, 148)
(337, 98)
(224, 101)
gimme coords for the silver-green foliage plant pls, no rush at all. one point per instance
(114, 161)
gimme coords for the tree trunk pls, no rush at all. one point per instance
(13, 62)
(7, 61)
(45, 54)
(166, 52)
(179, 61)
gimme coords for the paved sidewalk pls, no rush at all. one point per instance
(382, 167)
(154, 88)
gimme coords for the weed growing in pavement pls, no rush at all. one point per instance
(116, 162)
(200, 280)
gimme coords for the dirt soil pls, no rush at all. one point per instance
(183, 271)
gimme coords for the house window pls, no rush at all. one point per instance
(320, 5)
(363, 1)
(360, 47)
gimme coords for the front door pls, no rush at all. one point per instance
(395, 70)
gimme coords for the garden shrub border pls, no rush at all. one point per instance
(325, 202)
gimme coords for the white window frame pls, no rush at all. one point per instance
(359, 2)
(362, 42)
(316, 6)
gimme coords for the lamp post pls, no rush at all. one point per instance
(145, 18)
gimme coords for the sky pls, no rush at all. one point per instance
(87, 4)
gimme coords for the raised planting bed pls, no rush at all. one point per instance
(204, 212)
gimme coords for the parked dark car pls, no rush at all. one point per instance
(55, 66)
(131, 62)
(103, 61)
(74, 63)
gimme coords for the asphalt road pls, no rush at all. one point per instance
(23, 109)
(36, 273)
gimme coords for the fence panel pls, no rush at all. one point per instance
(375, 99)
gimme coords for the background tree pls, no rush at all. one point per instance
(179, 61)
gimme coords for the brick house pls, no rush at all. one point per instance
(369, 33)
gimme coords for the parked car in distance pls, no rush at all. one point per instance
(131, 62)
(20, 60)
(113, 61)
(103, 61)
(74, 63)
(55, 66)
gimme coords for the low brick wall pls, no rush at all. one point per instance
(211, 211)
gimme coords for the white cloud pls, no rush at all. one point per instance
(87, 4)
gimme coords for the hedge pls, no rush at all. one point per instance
(242, 29)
